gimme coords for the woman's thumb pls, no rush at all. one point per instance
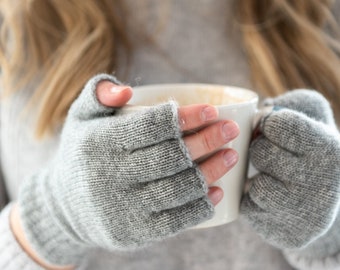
(101, 96)
(113, 95)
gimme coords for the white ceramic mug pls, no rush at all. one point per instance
(237, 104)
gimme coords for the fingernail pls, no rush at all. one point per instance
(119, 88)
(209, 113)
(215, 195)
(230, 130)
(230, 158)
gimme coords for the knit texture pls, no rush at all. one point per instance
(12, 255)
(117, 182)
(323, 253)
(293, 203)
(216, 58)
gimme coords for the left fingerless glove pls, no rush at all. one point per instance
(293, 203)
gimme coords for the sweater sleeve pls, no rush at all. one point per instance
(12, 256)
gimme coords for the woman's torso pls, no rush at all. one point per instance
(198, 44)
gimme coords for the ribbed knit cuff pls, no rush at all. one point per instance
(310, 263)
(42, 227)
(12, 256)
(322, 254)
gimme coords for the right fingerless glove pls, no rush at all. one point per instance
(117, 182)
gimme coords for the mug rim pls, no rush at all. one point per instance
(253, 96)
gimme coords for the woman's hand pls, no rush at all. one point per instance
(199, 143)
(295, 198)
(122, 182)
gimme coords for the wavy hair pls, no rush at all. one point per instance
(59, 44)
(291, 44)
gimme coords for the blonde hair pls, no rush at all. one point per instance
(288, 47)
(61, 44)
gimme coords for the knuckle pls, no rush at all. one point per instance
(211, 173)
(207, 142)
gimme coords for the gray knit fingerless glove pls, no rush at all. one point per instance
(293, 203)
(117, 182)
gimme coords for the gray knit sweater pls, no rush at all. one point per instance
(199, 48)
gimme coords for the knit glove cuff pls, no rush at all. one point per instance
(322, 254)
(43, 231)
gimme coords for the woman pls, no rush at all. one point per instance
(96, 184)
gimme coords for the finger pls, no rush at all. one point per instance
(167, 159)
(272, 194)
(271, 203)
(164, 159)
(172, 191)
(87, 105)
(215, 195)
(144, 128)
(172, 221)
(269, 193)
(275, 161)
(211, 138)
(113, 95)
(218, 165)
(262, 220)
(294, 131)
(194, 116)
